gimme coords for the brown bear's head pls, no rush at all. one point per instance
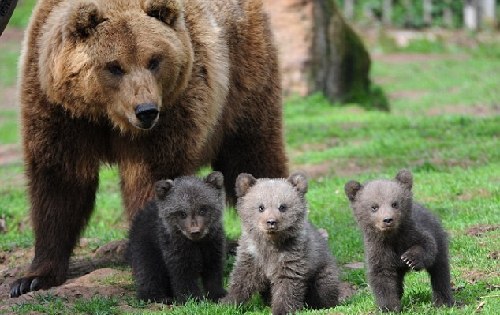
(273, 208)
(191, 206)
(124, 60)
(381, 205)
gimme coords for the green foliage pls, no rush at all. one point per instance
(22, 13)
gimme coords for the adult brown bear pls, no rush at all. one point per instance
(159, 87)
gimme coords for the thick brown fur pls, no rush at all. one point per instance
(281, 255)
(399, 236)
(206, 69)
(178, 240)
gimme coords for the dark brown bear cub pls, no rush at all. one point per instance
(178, 239)
(280, 254)
(399, 236)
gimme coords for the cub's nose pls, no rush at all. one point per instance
(271, 223)
(387, 221)
(147, 114)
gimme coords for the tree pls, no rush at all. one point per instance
(6, 10)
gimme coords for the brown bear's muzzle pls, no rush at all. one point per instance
(147, 114)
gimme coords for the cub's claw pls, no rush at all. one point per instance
(411, 261)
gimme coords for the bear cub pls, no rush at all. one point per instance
(177, 239)
(281, 255)
(399, 236)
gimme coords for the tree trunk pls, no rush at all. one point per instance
(349, 9)
(428, 12)
(471, 14)
(340, 63)
(488, 12)
(448, 14)
(387, 12)
(6, 10)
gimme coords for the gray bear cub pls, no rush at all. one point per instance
(399, 236)
(178, 239)
(280, 254)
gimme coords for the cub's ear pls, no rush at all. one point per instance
(167, 11)
(299, 181)
(351, 189)
(405, 178)
(215, 179)
(243, 183)
(162, 187)
(83, 18)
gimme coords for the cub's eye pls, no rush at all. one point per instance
(115, 69)
(203, 211)
(183, 214)
(282, 208)
(374, 208)
(394, 205)
(154, 63)
(261, 208)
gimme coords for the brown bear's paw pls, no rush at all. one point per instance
(413, 259)
(24, 285)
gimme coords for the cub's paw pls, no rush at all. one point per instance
(413, 259)
(216, 296)
(25, 285)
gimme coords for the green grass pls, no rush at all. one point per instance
(451, 148)
(22, 13)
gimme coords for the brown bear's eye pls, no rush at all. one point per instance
(182, 214)
(374, 208)
(282, 208)
(261, 208)
(203, 211)
(154, 63)
(394, 205)
(115, 69)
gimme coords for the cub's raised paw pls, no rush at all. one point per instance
(412, 260)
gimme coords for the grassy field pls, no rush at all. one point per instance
(444, 125)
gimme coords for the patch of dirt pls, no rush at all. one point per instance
(399, 58)
(495, 255)
(475, 110)
(355, 265)
(480, 230)
(8, 97)
(478, 193)
(346, 291)
(408, 95)
(10, 153)
(11, 36)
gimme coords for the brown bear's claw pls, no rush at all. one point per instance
(24, 285)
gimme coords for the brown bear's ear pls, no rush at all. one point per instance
(166, 11)
(162, 187)
(83, 19)
(405, 178)
(243, 183)
(351, 189)
(299, 181)
(215, 179)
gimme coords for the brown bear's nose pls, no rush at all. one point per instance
(388, 221)
(271, 223)
(147, 114)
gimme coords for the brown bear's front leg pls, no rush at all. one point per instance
(386, 286)
(61, 205)
(287, 296)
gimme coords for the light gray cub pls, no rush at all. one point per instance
(399, 236)
(280, 254)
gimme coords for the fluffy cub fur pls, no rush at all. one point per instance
(179, 238)
(399, 236)
(280, 254)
